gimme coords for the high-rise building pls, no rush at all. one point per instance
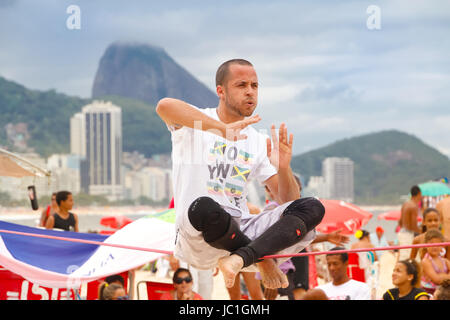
(316, 187)
(154, 183)
(77, 135)
(338, 176)
(99, 130)
(65, 169)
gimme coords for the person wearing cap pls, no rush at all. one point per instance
(378, 239)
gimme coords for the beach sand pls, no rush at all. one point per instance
(387, 263)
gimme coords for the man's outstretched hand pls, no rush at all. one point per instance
(281, 154)
(233, 130)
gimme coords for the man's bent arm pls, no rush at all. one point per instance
(284, 186)
(179, 113)
(288, 189)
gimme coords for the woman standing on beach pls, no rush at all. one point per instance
(435, 267)
(406, 278)
(431, 220)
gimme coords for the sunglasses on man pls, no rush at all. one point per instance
(180, 280)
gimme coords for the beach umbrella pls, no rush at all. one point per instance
(115, 222)
(393, 215)
(342, 215)
(434, 189)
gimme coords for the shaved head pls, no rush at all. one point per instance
(223, 70)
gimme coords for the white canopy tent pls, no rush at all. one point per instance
(12, 165)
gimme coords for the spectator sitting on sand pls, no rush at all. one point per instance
(342, 287)
(406, 278)
(183, 282)
(112, 291)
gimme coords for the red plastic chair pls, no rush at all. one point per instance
(154, 289)
(354, 271)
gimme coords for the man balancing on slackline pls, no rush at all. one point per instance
(215, 154)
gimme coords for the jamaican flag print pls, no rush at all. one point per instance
(240, 173)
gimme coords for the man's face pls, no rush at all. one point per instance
(68, 203)
(240, 91)
(336, 267)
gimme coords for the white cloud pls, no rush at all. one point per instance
(276, 95)
(320, 69)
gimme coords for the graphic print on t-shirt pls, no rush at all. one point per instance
(232, 190)
(215, 188)
(244, 158)
(240, 173)
(228, 172)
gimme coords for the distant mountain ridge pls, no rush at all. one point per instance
(147, 73)
(42, 118)
(386, 164)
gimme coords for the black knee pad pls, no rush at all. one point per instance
(218, 228)
(310, 210)
(205, 212)
(300, 217)
(284, 233)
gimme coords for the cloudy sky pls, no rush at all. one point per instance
(322, 70)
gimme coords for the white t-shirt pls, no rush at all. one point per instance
(205, 164)
(351, 290)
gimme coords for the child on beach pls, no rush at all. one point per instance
(406, 278)
(435, 267)
(112, 291)
(431, 220)
(443, 291)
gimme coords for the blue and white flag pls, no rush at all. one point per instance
(63, 264)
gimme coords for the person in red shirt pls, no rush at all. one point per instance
(49, 211)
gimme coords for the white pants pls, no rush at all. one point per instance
(405, 237)
(203, 280)
(192, 248)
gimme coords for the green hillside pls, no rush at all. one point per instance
(386, 164)
(143, 129)
(47, 115)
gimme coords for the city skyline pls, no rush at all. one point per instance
(336, 181)
(330, 74)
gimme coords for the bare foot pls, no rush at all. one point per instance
(272, 276)
(230, 267)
